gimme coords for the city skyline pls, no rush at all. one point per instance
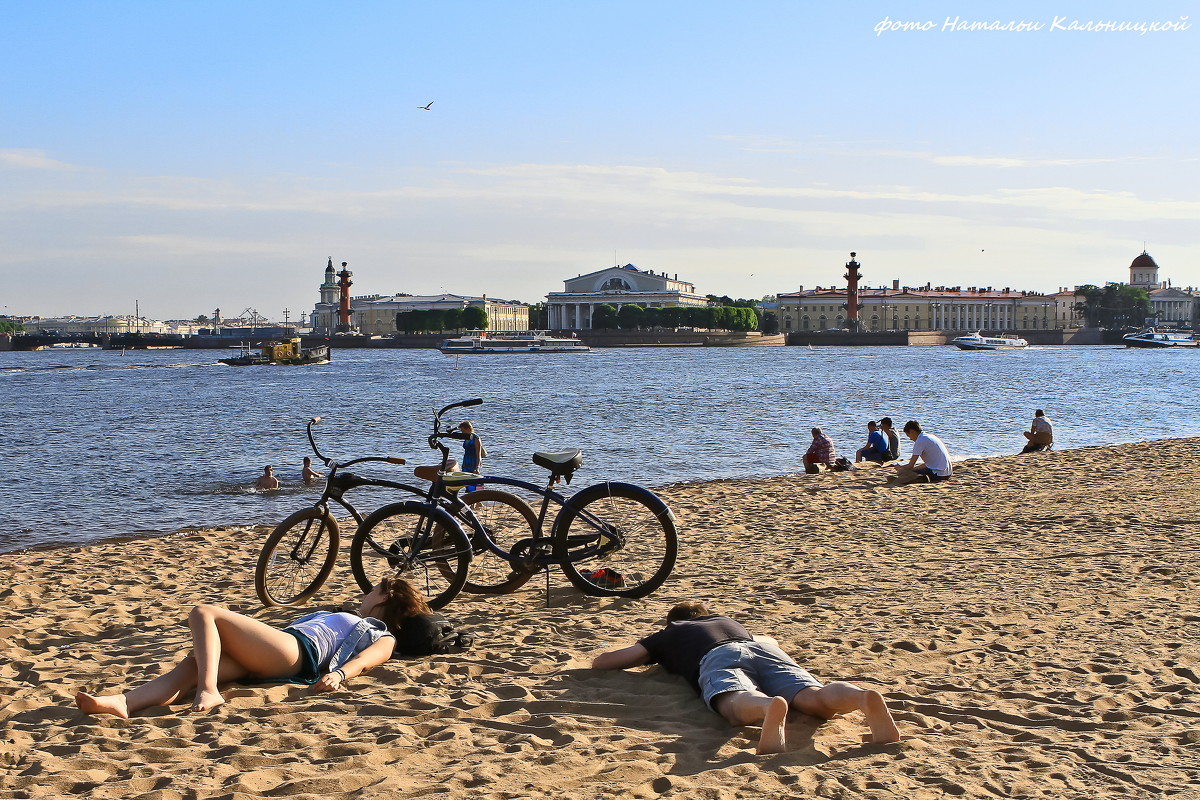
(195, 155)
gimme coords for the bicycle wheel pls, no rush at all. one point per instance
(507, 519)
(418, 541)
(616, 539)
(297, 558)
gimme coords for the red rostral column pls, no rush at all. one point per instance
(852, 275)
(344, 283)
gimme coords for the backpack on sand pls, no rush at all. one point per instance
(430, 634)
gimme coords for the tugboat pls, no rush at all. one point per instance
(289, 353)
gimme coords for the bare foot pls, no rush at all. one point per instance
(107, 704)
(879, 719)
(206, 701)
(773, 738)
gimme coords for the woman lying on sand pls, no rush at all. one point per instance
(324, 649)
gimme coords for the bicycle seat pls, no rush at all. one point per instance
(460, 480)
(561, 463)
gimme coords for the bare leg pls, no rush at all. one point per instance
(841, 698)
(221, 635)
(748, 708)
(162, 691)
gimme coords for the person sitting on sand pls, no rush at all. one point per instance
(893, 438)
(931, 450)
(308, 474)
(267, 482)
(820, 453)
(1040, 435)
(323, 649)
(876, 448)
(747, 679)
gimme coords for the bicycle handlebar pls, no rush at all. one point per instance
(329, 461)
(460, 404)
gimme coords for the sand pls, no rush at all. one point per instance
(1033, 622)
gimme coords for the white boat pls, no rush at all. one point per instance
(977, 341)
(1155, 338)
(511, 342)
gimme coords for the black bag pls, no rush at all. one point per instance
(429, 634)
(841, 465)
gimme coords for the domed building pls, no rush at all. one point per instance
(1173, 307)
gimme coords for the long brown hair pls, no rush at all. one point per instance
(403, 601)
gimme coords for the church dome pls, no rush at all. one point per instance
(1144, 261)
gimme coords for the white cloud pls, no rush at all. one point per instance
(30, 159)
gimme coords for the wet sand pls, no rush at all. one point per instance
(1033, 623)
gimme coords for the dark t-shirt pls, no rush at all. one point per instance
(681, 646)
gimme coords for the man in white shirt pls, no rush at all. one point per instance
(1040, 433)
(929, 449)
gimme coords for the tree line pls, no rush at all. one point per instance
(438, 320)
(632, 316)
(1117, 305)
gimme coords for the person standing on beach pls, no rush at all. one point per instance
(1040, 435)
(747, 679)
(323, 649)
(267, 482)
(929, 449)
(308, 474)
(893, 438)
(820, 452)
(876, 448)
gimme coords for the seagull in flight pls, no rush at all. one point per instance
(426, 108)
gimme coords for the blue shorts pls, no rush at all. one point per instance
(751, 666)
(933, 476)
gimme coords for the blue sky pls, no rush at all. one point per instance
(194, 155)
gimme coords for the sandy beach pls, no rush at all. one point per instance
(1033, 622)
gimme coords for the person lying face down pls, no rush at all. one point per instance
(747, 679)
(323, 649)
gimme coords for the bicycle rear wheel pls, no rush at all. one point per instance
(417, 541)
(616, 539)
(297, 558)
(507, 519)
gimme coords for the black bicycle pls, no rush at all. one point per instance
(612, 538)
(300, 553)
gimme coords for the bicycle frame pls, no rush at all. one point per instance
(608, 538)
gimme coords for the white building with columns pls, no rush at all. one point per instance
(616, 286)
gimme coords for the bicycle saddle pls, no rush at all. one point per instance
(561, 463)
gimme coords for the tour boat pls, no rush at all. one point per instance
(285, 353)
(1154, 338)
(977, 341)
(511, 342)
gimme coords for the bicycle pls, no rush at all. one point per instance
(609, 539)
(300, 553)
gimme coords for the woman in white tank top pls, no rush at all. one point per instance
(322, 649)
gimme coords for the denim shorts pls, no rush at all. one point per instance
(933, 476)
(750, 666)
(309, 672)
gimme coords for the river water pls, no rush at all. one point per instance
(97, 444)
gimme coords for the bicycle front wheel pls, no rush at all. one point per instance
(616, 539)
(420, 542)
(297, 558)
(507, 519)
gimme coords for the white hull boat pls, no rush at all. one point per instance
(511, 342)
(977, 341)
(1154, 338)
